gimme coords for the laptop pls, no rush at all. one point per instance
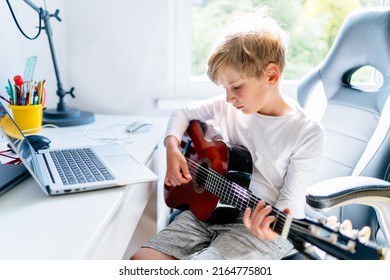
(11, 175)
(79, 169)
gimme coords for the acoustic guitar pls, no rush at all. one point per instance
(218, 191)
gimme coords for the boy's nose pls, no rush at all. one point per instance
(229, 97)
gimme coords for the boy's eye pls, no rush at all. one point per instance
(236, 87)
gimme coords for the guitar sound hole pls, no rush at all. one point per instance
(201, 175)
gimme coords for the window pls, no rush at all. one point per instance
(311, 25)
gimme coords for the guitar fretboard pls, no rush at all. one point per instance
(239, 197)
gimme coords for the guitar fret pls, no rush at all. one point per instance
(230, 192)
(216, 184)
(276, 221)
(240, 198)
(209, 184)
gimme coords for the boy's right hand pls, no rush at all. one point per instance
(177, 167)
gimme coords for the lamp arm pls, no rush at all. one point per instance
(62, 116)
(45, 16)
(32, 5)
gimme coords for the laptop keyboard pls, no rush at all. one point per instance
(79, 166)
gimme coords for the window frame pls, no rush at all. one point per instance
(184, 84)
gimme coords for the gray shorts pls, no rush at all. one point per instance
(188, 238)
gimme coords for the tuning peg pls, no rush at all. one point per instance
(364, 234)
(346, 226)
(351, 246)
(332, 222)
(386, 253)
(346, 229)
(310, 250)
(333, 238)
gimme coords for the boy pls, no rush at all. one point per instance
(284, 143)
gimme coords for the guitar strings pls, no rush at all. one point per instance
(299, 231)
(199, 171)
(208, 175)
(204, 173)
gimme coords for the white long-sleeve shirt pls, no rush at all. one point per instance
(285, 149)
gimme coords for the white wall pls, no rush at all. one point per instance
(115, 53)
(15, 48)
(118, 53)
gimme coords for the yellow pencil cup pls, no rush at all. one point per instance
(28, 117)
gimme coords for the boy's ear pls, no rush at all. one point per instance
(273, 73)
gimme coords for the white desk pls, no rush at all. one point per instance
(104, 224)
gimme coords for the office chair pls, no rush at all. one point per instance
(351, 181)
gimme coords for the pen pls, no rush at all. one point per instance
(32, 93)
(25, 93)
(18, 80)
(5, 99)
(11, 93)
(43, 94)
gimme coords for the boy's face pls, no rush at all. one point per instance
(250, 95)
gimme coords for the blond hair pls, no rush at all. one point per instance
(248, 46)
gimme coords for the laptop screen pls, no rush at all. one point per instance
(19, 143)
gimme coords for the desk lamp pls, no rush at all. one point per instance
(62, 116)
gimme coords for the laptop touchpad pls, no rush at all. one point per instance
(125, 165)
(121, 162)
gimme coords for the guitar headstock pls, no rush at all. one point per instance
(357, 241)
(346, 228)
(329, 239)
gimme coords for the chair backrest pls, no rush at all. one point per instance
(356, 119)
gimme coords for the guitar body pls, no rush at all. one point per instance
(205, 147)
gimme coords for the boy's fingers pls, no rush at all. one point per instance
(246, 218)
(185, 171)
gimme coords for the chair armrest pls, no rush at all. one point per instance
(347, 190)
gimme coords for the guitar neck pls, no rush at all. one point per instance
(241, 198)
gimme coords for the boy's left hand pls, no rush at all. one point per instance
(260, 220)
